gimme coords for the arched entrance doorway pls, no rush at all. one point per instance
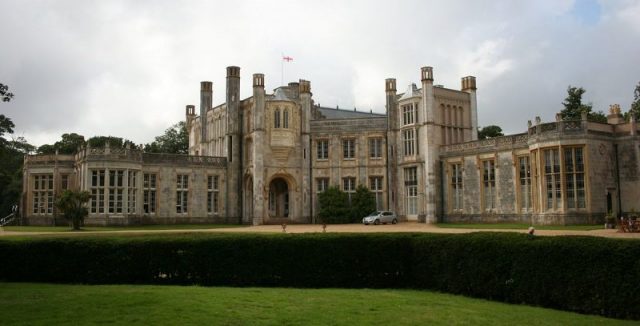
(278, 198)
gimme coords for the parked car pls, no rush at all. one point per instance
(378, 217)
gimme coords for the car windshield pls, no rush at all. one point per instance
(373, 214)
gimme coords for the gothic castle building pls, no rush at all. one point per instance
(266, 158)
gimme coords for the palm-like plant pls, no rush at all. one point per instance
(72, 205)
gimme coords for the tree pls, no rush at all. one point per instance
(6, 127)
(573, 107)
(333, 206)
(11, 160)
(114, 142)
(635, 105)
(72, 205)
(175, 141)
(363, 202)
(490, 132)
(68, 144)
(4, 93)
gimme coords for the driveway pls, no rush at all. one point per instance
(344, 228)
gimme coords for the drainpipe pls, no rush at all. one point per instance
(313, 218)
(442, 181)
(615, 152)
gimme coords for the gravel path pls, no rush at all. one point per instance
(311, 228)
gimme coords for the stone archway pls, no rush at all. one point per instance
(279, 198)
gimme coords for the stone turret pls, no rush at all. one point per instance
(304, 91)
(234, 147)
(426, 74)
(392, 141)
(392, 103)
(259, 144)
(190, 113)
(469, 86)
(206, 94)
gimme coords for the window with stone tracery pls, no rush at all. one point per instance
(276, 118)
(43, 194)
(182, 193)
(285, 119)
(488, 185)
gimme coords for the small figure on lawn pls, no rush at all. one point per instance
(530, 232)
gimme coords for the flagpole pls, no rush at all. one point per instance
(282, 70)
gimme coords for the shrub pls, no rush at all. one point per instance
(334, 206)
(72, 205)
(362, 203)
(569, 273)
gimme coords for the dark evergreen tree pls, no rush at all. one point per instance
(573, 107)
(363, 202)
(490, 132)
(334, 206)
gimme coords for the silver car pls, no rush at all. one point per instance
(383, 217)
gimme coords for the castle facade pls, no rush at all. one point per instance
(265, 159)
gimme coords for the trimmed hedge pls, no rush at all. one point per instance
(582, 274)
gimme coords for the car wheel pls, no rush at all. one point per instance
(395, 221)
(376, 222)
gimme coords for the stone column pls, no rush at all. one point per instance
(259, 143)
(429, 134)
(234, 147)
(392, 144)
(206, 94)
(304, 89)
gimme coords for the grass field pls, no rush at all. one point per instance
(516, 226)
(119, 228)
(48, 304)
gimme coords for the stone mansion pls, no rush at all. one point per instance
(264, 159)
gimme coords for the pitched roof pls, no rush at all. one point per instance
(334, 113)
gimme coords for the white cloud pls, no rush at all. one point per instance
(128, 68)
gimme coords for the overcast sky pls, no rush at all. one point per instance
(128, 68)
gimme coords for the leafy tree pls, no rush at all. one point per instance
(175, 141)
(46, 149)
(490, 132)
(114, 142)
(6, 127)
(11, 160)
(333, 206)
(635, 105)
(363, 202)
(4, 93)
(68, 144)
(72, 205)
(573, 107)
(597, 117)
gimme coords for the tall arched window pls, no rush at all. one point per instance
(285, 119)
(276, 118)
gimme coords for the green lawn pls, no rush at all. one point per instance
(48, 304)
(517, 226)
(119, 228)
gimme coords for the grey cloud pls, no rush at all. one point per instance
(128, 68)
